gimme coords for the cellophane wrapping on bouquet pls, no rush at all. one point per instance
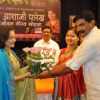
(39, 59)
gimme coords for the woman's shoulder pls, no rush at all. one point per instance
(57, 20)
(14, 53)
(2, 52)
(63, 50)
(3, 55)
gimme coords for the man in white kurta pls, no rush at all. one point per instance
(88, 55)
(46, 41)
(50, 44)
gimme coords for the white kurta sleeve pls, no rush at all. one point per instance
(84, 53)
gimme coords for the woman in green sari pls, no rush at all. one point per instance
(15, 82)
(24, 86)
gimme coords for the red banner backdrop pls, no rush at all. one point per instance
(29, 16)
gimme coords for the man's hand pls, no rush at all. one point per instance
(44, 74)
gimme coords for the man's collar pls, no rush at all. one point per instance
(43, 42)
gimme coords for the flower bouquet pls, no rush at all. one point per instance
(39, 59)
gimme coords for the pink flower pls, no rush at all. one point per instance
(27, 49)
(49, 49)
(46, 55)
(44, 48)
(54, 51)
(35, 50)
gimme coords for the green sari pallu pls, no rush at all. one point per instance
(25, 89)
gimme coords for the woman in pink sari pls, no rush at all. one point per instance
(70, 86)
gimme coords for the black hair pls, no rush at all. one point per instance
(74, 29)
(47, 27)
(86, 14)
(4, 35)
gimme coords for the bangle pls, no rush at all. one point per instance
(49, 75)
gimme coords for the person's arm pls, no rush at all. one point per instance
(60, 70)
(85, 52)
(19, 78)
(22, 77)
(56, 71)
